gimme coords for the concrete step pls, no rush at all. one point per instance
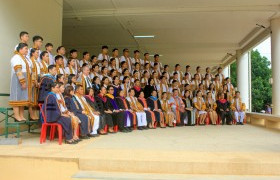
(99, 175)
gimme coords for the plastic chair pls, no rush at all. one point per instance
(53, 127)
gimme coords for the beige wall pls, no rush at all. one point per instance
(40, 17)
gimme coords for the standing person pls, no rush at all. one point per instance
(162, 86)
(21, 88)
(24, 37)
(127, 59)
(154, 104)
(59, 64)
(189, 108)
(85, 60)
(71, 69)
(54, 115)
(45, 81)
(188, 71)
(238, 108)
(166, 108)
(61, 52)
(223, 109)
(104, 54)
(115, 55)
(44, 64)
(49, 48)
(84, 78)
(156, 60)
(37, 44)
(177, 69)
(221, 75)
(74, 55)
(137, 109)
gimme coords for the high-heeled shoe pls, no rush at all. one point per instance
(21, 121)
(70, 142)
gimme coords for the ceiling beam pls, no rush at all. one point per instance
(167, 10)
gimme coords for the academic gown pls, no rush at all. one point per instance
(74, 107)
(226, 116)
(54, 115)
(102, 107)
(43, 88)
(151, 105)
(118, 118)
(127, 115)
(148, 90)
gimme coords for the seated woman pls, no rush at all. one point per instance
(178, 107)
(189, 108)
(200, 107)
(166, 108)
(96, 84)
(116, 85)
(149, 88)
(54, 114)
(211, 108)
(77, 110)
(121, 117)
(74, 119)
(137, 109)
(155, 106)
(223, 109)
(72, 80)
(124, 106)
(151, 119)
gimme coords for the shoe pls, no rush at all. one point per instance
(84, 137)
(124, 130)
(78, 140)
(70, 142)
(145, 128)
(21, 121)
(140, 128)
(93, 135)
(241, 124)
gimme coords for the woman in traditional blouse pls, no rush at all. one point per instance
(151, 119)
(200, 107)
(189, 108)
(211, 108)
(169, 115)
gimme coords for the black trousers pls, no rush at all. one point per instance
(226, 116)
(106, 119)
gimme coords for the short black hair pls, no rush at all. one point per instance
(136, 51)
(146, 54)
(22, 33)
(58, 57)
(48, 44)
(156, 55)
(73, 50)
(20, 46)
(58, 48)
(36, 38)
(92, 57)
(125, 49)
(50, 67)
(115, 49)
(85, 53)
(105, 47)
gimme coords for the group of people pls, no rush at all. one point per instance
(98, 93)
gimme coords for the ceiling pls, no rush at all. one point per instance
(195, 32)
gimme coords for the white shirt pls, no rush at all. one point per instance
(51, 58)
(101, 57)
(129, 62)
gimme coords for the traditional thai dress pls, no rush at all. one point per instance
(151, 119)
(168, 114)
(139, 111)
(20, 74)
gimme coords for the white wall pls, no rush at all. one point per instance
(38, 17)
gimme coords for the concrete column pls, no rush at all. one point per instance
(275, 64)
(243, 81)
(226, 71)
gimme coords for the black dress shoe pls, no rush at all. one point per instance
(70, 142)
(84, 137)
(128, 129)
(124, 131)
(140, 128)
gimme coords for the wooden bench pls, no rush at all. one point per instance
(9, 120)
(266, 120)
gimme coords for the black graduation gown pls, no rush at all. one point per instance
(53, 115)
(151, 105)
(148, 90)
(118, 117)
(226, 116)
(43, 89)
(74, 106)
(102, 107)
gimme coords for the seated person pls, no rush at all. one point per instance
(223, 109)
(200, 107)
(166, 108)
(138, 109)
(54, 114)
(178, 107)
(189, 108)
(75, 108)
(151, 119)
(154, 104)
(238, 108)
